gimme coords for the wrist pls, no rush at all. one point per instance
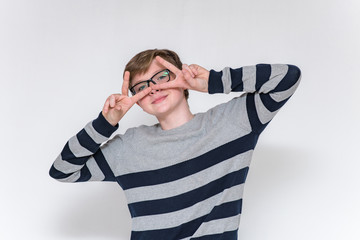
(215, 84)
(205, 86)
(109, 121)
(104, 127)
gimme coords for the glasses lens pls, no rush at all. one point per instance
(139, 87)
(162, 76)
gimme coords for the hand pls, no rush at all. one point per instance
(191, 77)
(116, 105)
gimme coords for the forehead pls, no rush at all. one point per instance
(155, 67)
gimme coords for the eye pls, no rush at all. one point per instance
(163, 76)
(141, 87)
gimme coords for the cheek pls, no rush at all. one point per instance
(179, 92)
(142, 102)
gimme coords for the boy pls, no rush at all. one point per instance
(184, 177)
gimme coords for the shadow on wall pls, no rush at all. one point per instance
(101, 214)
(277, 191)
(277, 169)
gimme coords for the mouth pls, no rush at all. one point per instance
(159, 99)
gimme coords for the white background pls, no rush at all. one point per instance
(60, 60)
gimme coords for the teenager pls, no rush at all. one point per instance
(183, 177)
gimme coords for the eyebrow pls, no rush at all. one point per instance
(156, 71)
(152, 74)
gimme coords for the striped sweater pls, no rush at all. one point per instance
(186, 182)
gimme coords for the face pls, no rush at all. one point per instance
(160, 102)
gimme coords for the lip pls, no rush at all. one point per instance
(159, 99)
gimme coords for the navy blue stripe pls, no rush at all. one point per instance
(102, 126)
(290, 79)
(255, 123)
(215, 84)
(104, 166)
(86, 141)
(263, 72)
(67, 155)
(237, 84)
(270, 103)
(230, 235)
(78, 161)
(225, 210)
(182, 231)
(186, 168)
(190, 198)
(54, 173)
(85, 174)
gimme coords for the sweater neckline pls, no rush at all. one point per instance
(188, 126)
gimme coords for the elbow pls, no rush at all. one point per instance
(58, 175)
(294, 73)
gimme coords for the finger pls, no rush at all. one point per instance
(112, 101)
(168, 65)
(125, 86)
(167, 85)
(106, 106)
(118, 107)
(186, 67)
(141, 94)
(193, 68)
(188, 77)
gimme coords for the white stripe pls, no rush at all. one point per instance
(249, 78)
(96, 136)
(64, 166)
(280, 96)
(77, 149)
(226, 80)
(263, 113)
(96, 173)
(218, 226)
(278, 72)
(174, 188)
(174, 219)
(71, 178)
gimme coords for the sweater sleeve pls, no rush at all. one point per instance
(82, 159)
(267, 88)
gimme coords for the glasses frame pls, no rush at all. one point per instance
(149, 80)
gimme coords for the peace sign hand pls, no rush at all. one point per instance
(116, 105)
(193, 77)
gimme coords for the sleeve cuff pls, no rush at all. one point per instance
(102, 126)
(215, 82)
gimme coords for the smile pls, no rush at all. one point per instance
(159, 100)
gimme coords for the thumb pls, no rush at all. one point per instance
(194, 68)
(141, 94)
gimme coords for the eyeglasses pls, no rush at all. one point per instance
(159, 77)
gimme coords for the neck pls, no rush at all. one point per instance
(176, 118)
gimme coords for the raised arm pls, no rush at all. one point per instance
(82, 158)
(267, 87)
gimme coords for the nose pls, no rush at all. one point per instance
(153, 90)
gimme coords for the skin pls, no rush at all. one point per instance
(165, 101)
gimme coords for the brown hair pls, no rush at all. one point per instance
(141, 62)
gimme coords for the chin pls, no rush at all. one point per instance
(163, 111)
